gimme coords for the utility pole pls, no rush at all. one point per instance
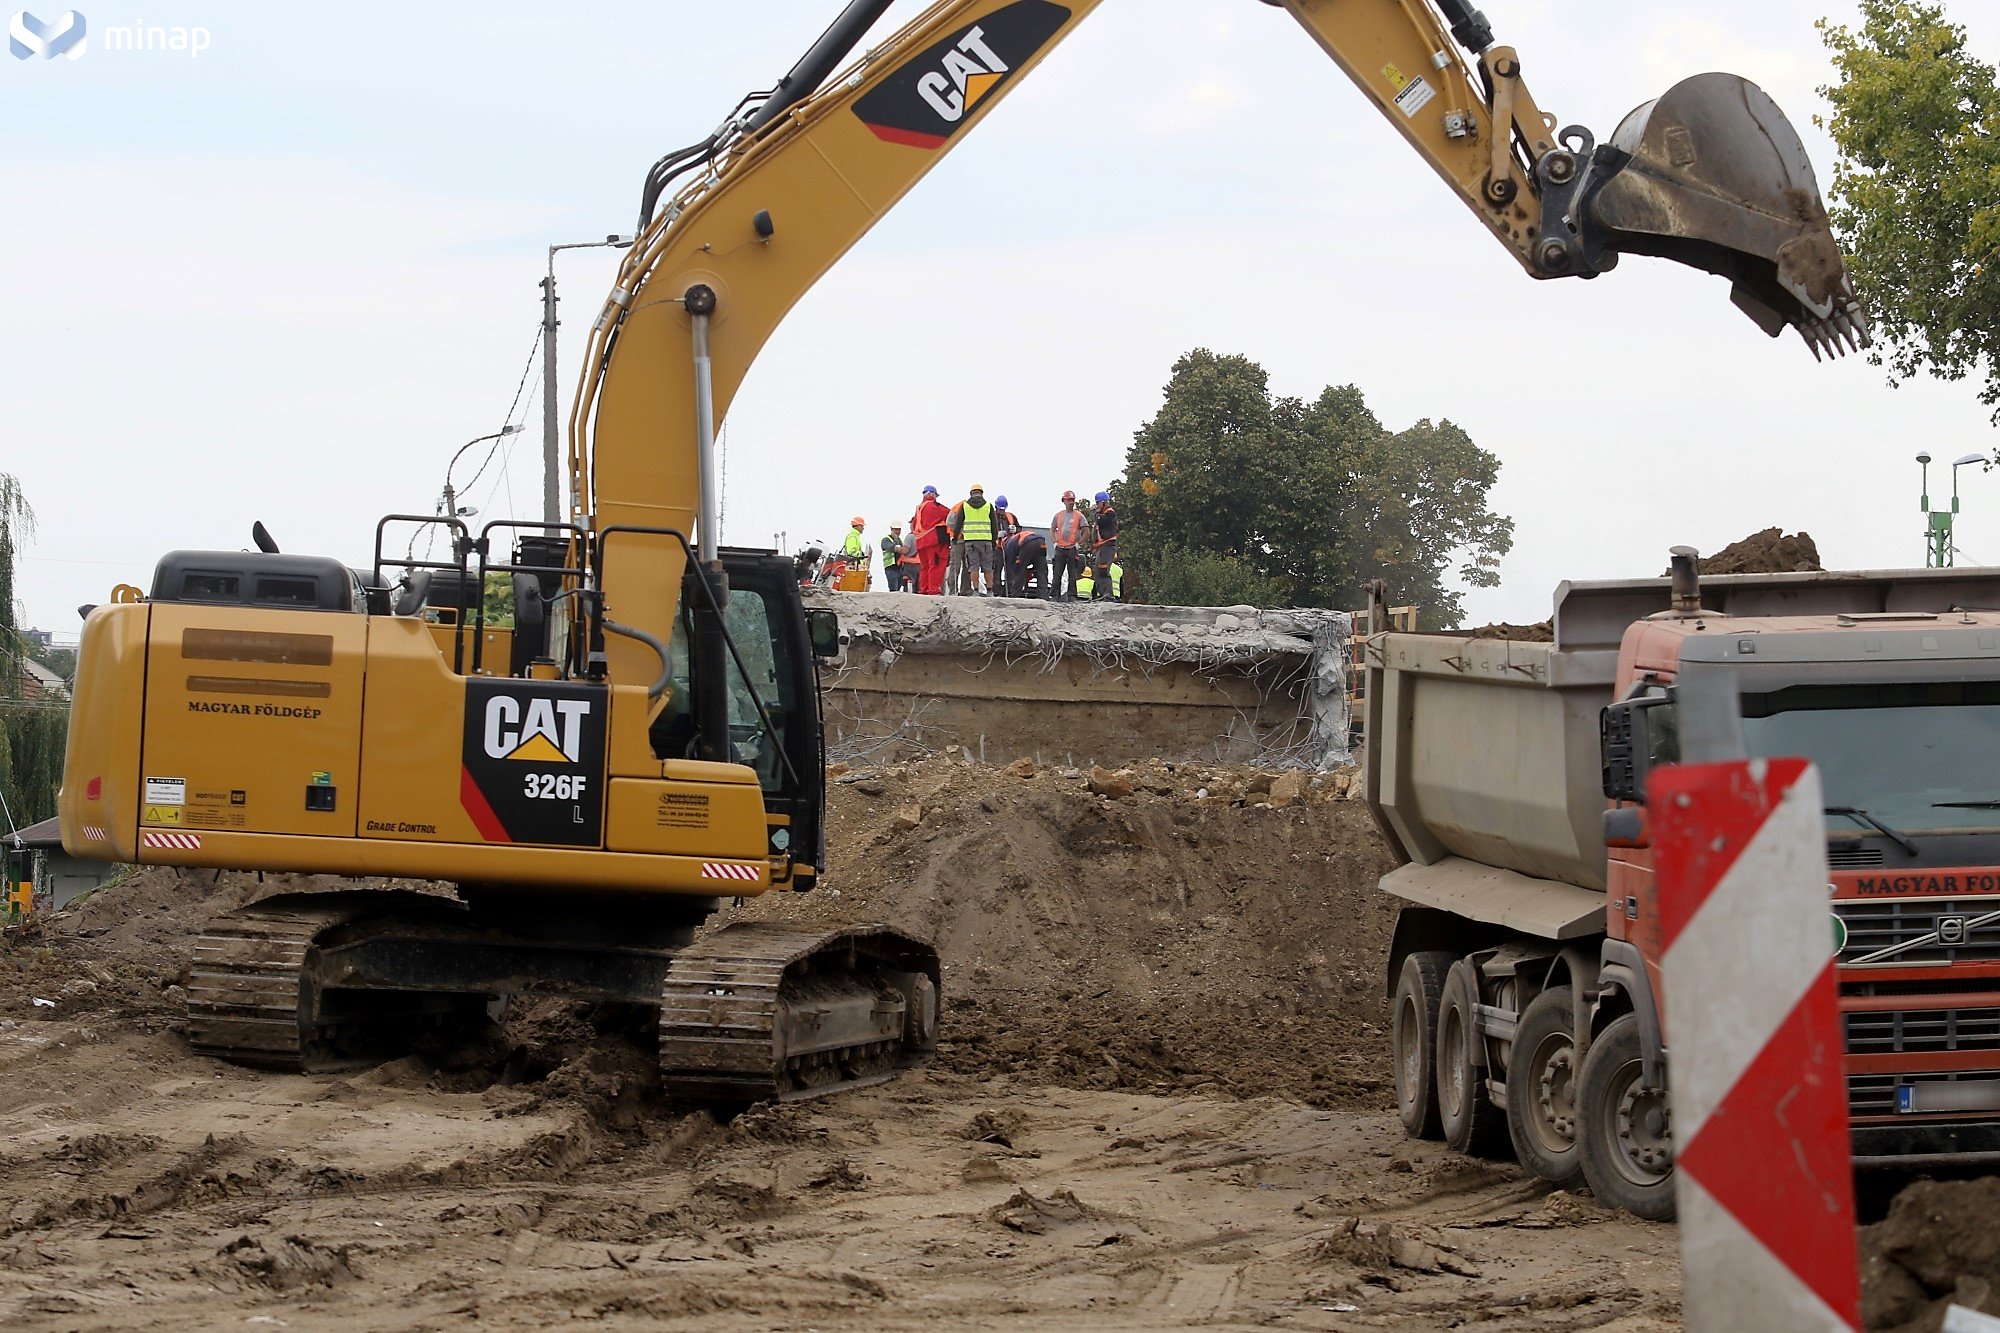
(1940, 541)
(551, 487)
(552, 462)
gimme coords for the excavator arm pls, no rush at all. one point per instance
(736, 228)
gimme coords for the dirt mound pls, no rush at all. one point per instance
(1542, 631)
(1766, 552)
(1211, 928)
(1936, 1247)
(1165, 928)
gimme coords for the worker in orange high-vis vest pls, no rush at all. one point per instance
(1068, 531)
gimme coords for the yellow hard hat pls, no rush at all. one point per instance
(977, 487)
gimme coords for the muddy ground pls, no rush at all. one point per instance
(1162, 1101)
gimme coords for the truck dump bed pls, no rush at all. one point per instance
(1482, 761)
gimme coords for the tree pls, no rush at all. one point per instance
(1183, 576)
(1916, 189)
(32, 731)
(17, 523)
(498, 595)
(1233, 495)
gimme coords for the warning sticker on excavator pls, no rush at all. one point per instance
(1415, 96)
(166, 791)
(161, 815)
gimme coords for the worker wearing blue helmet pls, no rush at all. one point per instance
(1105, 550)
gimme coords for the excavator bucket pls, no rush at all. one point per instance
(1713, 175)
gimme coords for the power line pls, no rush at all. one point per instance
(499, 440)
(528, 370)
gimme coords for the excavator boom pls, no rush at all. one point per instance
(737, 227)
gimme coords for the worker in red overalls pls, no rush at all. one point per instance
(933, 542)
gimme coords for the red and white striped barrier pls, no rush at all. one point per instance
(1764, 1179)
(179, 842)
(729, 870)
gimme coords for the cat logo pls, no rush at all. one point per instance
(971, 70)
(931, 96)
(545, 731)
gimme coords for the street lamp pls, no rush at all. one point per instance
(1940, 546)
(551, 464)
(451, 509)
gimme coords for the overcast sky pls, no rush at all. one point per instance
(287, 277)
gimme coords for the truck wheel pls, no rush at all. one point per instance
(1625, 1137)
(1541, 1090)
(1413, 1042)
(1471, 1122)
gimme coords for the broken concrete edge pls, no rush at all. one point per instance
(1200, 635)
(918, 672)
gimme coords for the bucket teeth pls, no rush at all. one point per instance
(1844, 329)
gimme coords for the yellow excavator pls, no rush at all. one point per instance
(644, 740)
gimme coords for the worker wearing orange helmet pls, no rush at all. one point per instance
(855, 549)
(1067, 531)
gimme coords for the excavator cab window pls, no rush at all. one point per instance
(760, 624)
(754, 628)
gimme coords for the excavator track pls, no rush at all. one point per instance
(755, 1012)
(260, 992)
(761, 1012)
(247, 999)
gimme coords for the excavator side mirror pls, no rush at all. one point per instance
(824, 628)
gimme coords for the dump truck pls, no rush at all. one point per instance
(1509, 780)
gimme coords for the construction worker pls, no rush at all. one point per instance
(906, 565)
(854, 550)
(1066, 533)
(933, 542)
(1006, 525)
(1105, 547)
(892, 558)
(1087, 584)
(974, 525)
(1023, 564)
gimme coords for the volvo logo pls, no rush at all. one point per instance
(1952, 930)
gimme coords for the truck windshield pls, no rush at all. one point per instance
(1901, 752)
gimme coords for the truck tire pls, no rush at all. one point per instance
(1413, 1041)
(1624, 1132)
(1471, 1122)
(1542, 1087)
